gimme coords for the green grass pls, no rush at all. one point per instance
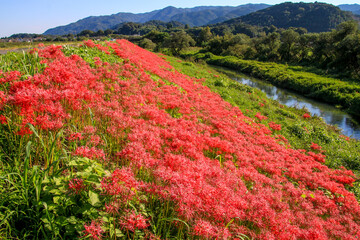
(338, 92)
(21, 45)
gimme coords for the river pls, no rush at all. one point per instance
(331, 115)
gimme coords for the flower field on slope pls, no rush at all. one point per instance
(131, 148)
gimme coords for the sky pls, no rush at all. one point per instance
(36, 16)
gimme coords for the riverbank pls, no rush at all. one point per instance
(344, 94)
(291, 124)
(331, 115)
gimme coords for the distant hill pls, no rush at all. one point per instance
(196, 16)
(354, 8)
(315, 17)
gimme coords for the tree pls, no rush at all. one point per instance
(108, 32)
(306, 45)
(157, 37)
(86, 33)
(267, 47)
(178, 41)
(346, 28)
(129, 28)
(205, 35)
(147, 43)
(348, 54)
(289, 41)
(323, 50)
(99, 33)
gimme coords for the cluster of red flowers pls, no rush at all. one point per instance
(226, 173)
(306, 115)
(90, 152)
(134, 221)
(94, 230)
(260, 117)
(315, 146)
(76, 185)
(274, 126)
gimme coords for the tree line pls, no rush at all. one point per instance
(337, 51)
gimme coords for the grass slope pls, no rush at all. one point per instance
(111, 141)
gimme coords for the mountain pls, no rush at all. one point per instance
(96, 23)
(354, 8)
(315, 17)
(216, 14)
(196, 16)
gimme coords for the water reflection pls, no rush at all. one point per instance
(330, 114)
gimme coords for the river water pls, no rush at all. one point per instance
(329, 113)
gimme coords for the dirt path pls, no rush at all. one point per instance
(4, 51)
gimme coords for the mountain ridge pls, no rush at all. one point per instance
(354, 8)
(208, 14)
(315, 17)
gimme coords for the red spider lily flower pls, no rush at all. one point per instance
(93, 230)
(91, 153)
(306, 115)
(276, 127)
(315, 146)
(10, 76)
(345, 137)
(317, 157)
(121, 183)
(76, 185)
(205, 229)
(89, 129)
(112, 208)
(75, 136)
(95, 140)
(24, 131)
(89, 43)
(134, 221)
(260, 117)
(3, 119)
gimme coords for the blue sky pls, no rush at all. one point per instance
(36, 16)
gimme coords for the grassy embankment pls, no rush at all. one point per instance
(340, 93)
(154, 136)
(299, 131)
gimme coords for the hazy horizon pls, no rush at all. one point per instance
(36, 16)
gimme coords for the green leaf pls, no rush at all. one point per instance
(55, 191)
(94, 199)
(119, 233)
(56, 199)
(72, 220)
(105, 219)
(61, 220)
(93, 178)
(303, 196)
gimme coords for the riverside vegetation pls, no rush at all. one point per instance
(342, 93)
(110, 141)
